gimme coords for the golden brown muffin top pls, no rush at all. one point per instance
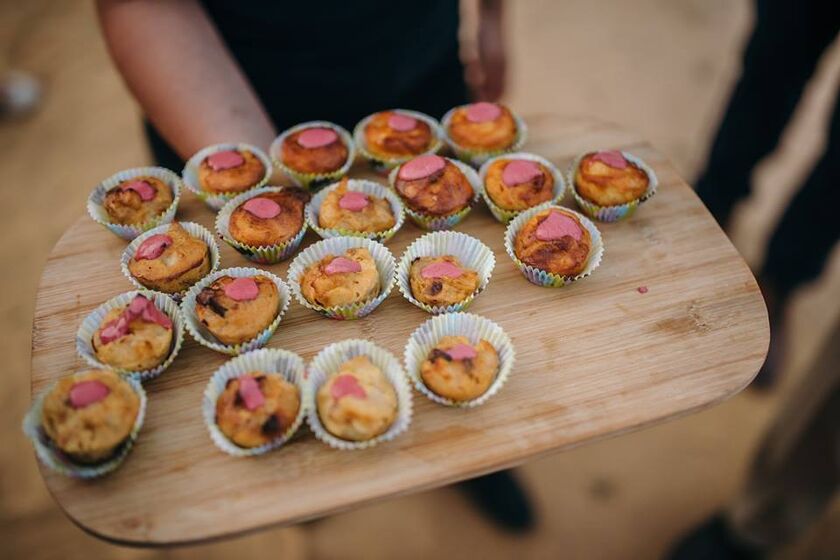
(355, 211)
(433, 185)
(609, 179)
(314, 150)
(483, 126)
(341, 279)
(235, 310)
(230, 171)
(443, 280)
(554, 241)
(166, 256)
(137, 200)
(270, 218)
(391, 134)
(518, 184)
(458, 370)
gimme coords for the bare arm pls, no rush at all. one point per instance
(179, 70)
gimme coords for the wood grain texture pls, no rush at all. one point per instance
(594, 359)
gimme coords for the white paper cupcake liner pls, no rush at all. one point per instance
(369, 188)
(99, 215)
(383, 165)
(477, 157)
(472, 253)
(475, 328)
(217, 200)
(541, 277)
(439, 223)
(200, 333)
(195, 230)
(337, 246)
(620, 211)
(505, 216)
(271, 361)
(313, 181)
(328, 361)
(264, 254)
(52, 457)
(91, 323)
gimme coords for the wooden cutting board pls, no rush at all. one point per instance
(593, 359)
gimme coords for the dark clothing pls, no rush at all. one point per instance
(782, 54)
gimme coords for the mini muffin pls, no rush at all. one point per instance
(341, 280)
(314, 150)
(269, 219)
(257, 408)
(483, 126)
(230, 171)
(88, 416)
(458, 370)
(392, 134)
(554, 241)
(357, 403)
(441, 281)
(136, 337)
(355, 211)
(236, 310)
(434, 186)
(609, 179)
(137, 200)
(170, 262)
(518, 184)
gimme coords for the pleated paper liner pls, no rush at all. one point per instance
(328, 361)
(217, 200)
(472, 253)
(503, 215)
(92, 323)
(544, 278)
(369, 188)
(382, 164)
(620, 211)
(477, 157)
(473, 327)
(204, 337)
(99, 215)
(313, 181)
(270, 361)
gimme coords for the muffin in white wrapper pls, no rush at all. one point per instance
(472, 253)
(380, 163)
(271, 361)
(313, 181)
(328, 361)
(473, 327)
(385, 265)
(503, 215)
(52, 457)
(619, 211)
(369, 188)
(196, 230)
(200, 333)
(217, 200)
(477, 157)
(438, 223)
(544, 278)
(263, 254)
(91, 323)
(99, 215)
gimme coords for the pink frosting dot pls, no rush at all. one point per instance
(443, 269)
(242, 289)
(461, 352)
(143, 188)
(227, 159)
(613, 158)
(421, 167)
(114, 330)
(249, 390)
(353, 201)
(341, 265)
(153, 247)
(483, 112)
(317, 137)
(85, 393)
(402, 123)
(263, 208)
(148, 312)
(556, 226)
(520, 171)
(347, 386)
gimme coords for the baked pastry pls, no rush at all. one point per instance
(314, 150)
(518, 184)
(458, 370)
(432, 185)
(391, 134)
(257, 408)
(555, 241)
(483, 126)
(170, 262)
(341, 280)
(441, 281)
(89, 415)
(137, 200)
(230, 171)
(355, 211)
(235, 310)
(357, 403)
(136, 337)
(609, 179)
(271, 218)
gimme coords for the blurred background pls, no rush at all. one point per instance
(662, 67)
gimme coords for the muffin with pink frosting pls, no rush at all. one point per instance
(135, 337)
(518, 183)
(271, 218)
(434, 186)
(441, 281)
(340, 280)
(314, 150)
(138, 200)
(458, 370)
(235, 310)
(608, 178)
(230, 171)
(170, 262)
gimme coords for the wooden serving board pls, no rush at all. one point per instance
(593, 359)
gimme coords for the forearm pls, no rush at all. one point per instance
(179, 70)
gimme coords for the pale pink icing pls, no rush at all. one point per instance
(317, 137)
(86, 393)
(402, 123)
(642, 289)
(152, 247)
(613, 158)
(341, 265)
(520, 171)
(242, 289)
(443, 269)
(461, 352)
(353, 201)
(227, 159)
(139, 308)
(249, 390)
(143, 188)
(347, 386)
(483, 112)
(556, 226)
(264, 208)
(420, 167)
